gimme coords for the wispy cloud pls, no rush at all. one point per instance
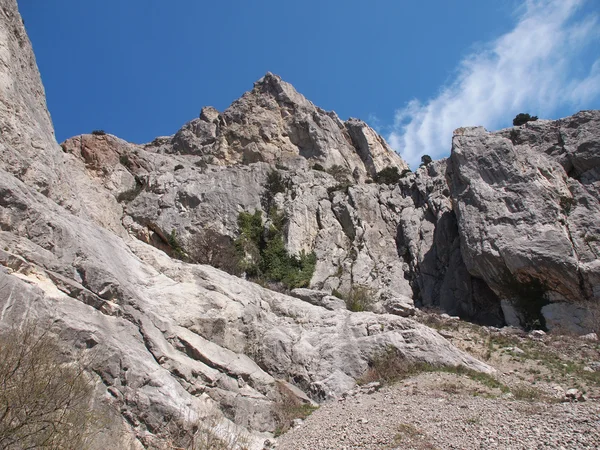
(537, 67)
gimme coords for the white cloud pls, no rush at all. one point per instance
(536, 67)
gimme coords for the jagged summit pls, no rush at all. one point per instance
(274, 123)
(283, 91)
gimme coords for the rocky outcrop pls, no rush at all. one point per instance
(528, 211)
(467, 234)
(171, 340)
(505, 230)
(275, 124)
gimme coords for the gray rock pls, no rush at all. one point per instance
(83, 227)
(524, 207)
(591, 337)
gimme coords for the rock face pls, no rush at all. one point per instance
(505, 230)
(172, 341)
(528, 213)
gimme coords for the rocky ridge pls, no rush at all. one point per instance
(83, 225)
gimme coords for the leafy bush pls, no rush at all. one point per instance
(275, 184)
(389, 175)
(45, 402)
(425, 160)
(523, 118)
(318, 167)
(98, 132)
(249, 242)
(262, 253)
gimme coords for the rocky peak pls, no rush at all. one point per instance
(284, 93)
(273, 123)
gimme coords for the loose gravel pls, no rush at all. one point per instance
(444, 411)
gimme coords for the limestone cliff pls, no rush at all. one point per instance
(171, 340)
(505, 230)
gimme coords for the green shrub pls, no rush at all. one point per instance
(249, 242)
(523, 118)
(98, 132)
(124, 160)
(389, 175)
(425, 160)
(262, 253)
(176, 249)
(275, 184)
(318, 167)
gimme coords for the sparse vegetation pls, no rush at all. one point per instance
(391, 366)
(98, 132)
(218, 250)
(339, 173)
(360, 298)
(45, 399)
(262, 252)
(425, 160)
(527, 393)
(337, 294)
(288, 408)
(318, 167)
(176, 248)
(523, 118)
(389, 175)
(125, 161)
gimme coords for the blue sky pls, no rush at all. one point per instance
(414, 70)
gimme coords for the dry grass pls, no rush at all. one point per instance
(288, 408)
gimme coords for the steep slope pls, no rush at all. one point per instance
(171, 340)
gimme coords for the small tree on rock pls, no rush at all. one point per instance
(523, 118)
